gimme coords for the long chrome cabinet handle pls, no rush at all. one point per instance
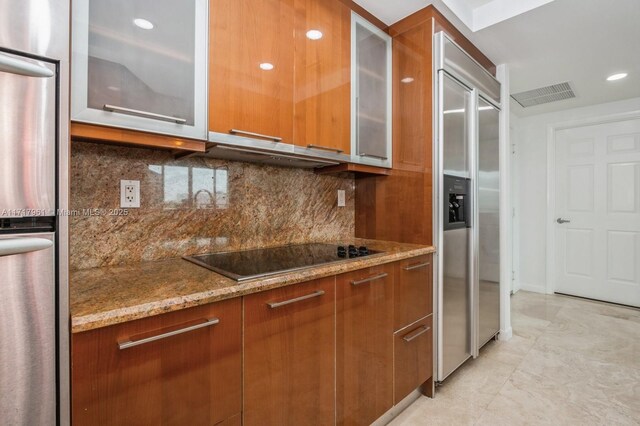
(325, 148)
(144, 114)
(416, 333)
(129, 344)
(416, 266)
(20, 67)
(255, 135)
(23, 245)
(380, 157)
(297, 299)
(373, 278)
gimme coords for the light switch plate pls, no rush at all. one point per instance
(341, 198)
(129, 193)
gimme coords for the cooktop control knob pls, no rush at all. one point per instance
(342, 252)
(363, 251)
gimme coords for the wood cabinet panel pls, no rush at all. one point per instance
(289, 358)
(413, 364)
(413, 290)
(364, 348)
(243, 35)
(173, 381)
(322, 75)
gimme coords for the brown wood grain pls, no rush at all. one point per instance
(191, 378)
(242, 35)
(289, 364)
(322, 94)
(113, 135)
(413, 291)
(364, 349)
(441, 24)
(413, 364)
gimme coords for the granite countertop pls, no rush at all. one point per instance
(115, 294)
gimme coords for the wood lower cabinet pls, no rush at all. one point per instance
(413, 290)
(413, 361)
(251, 54)
(193, 377)
(289, 355)
(364, 347)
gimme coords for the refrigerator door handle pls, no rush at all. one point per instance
(23, 245)
(20, 67)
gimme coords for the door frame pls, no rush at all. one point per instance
(552, 129)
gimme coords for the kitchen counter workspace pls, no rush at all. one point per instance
(105, 296)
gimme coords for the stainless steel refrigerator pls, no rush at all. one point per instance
(34, 319)
(466, 213)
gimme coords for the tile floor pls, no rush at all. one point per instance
(570, 362)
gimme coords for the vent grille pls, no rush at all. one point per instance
(544, 95)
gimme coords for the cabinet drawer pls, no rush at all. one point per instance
(364, 348)
(289, 358)
(413, 297)
(165, 369)
(413, 365)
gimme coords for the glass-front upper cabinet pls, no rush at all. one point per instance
(370, 93)
(141, 65)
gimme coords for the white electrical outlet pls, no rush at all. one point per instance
(341, 201)
(130, 193)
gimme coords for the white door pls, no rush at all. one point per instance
(598, 194)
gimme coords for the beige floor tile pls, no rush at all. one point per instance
(570, 362)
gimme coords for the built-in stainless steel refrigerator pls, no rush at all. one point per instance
(467, 201)
(34, 151)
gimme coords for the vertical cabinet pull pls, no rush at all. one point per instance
(316, 293)
(131, 343)
(369, 279)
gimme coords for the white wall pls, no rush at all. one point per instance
(530, 178)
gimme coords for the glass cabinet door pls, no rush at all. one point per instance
(141, 65)
(371, 93)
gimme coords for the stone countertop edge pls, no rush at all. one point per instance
(91, 317)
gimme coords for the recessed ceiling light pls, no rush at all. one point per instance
(314, 35)
(407, 80)
(618, 76)
(266, 66)
(143, 23)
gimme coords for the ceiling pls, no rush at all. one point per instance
(578, 41)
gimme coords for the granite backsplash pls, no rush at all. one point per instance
(195, 205)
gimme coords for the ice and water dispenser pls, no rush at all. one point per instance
(457, 202)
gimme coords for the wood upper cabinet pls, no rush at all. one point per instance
(192, 377)
(251, 56)
(413, 290)
(364, 349)
(322, 75)
(289, 358)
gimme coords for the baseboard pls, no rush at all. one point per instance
(505, 335)
(534, 288)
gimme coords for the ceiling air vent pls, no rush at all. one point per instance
(544, 95)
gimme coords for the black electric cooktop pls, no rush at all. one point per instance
(251, 264)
